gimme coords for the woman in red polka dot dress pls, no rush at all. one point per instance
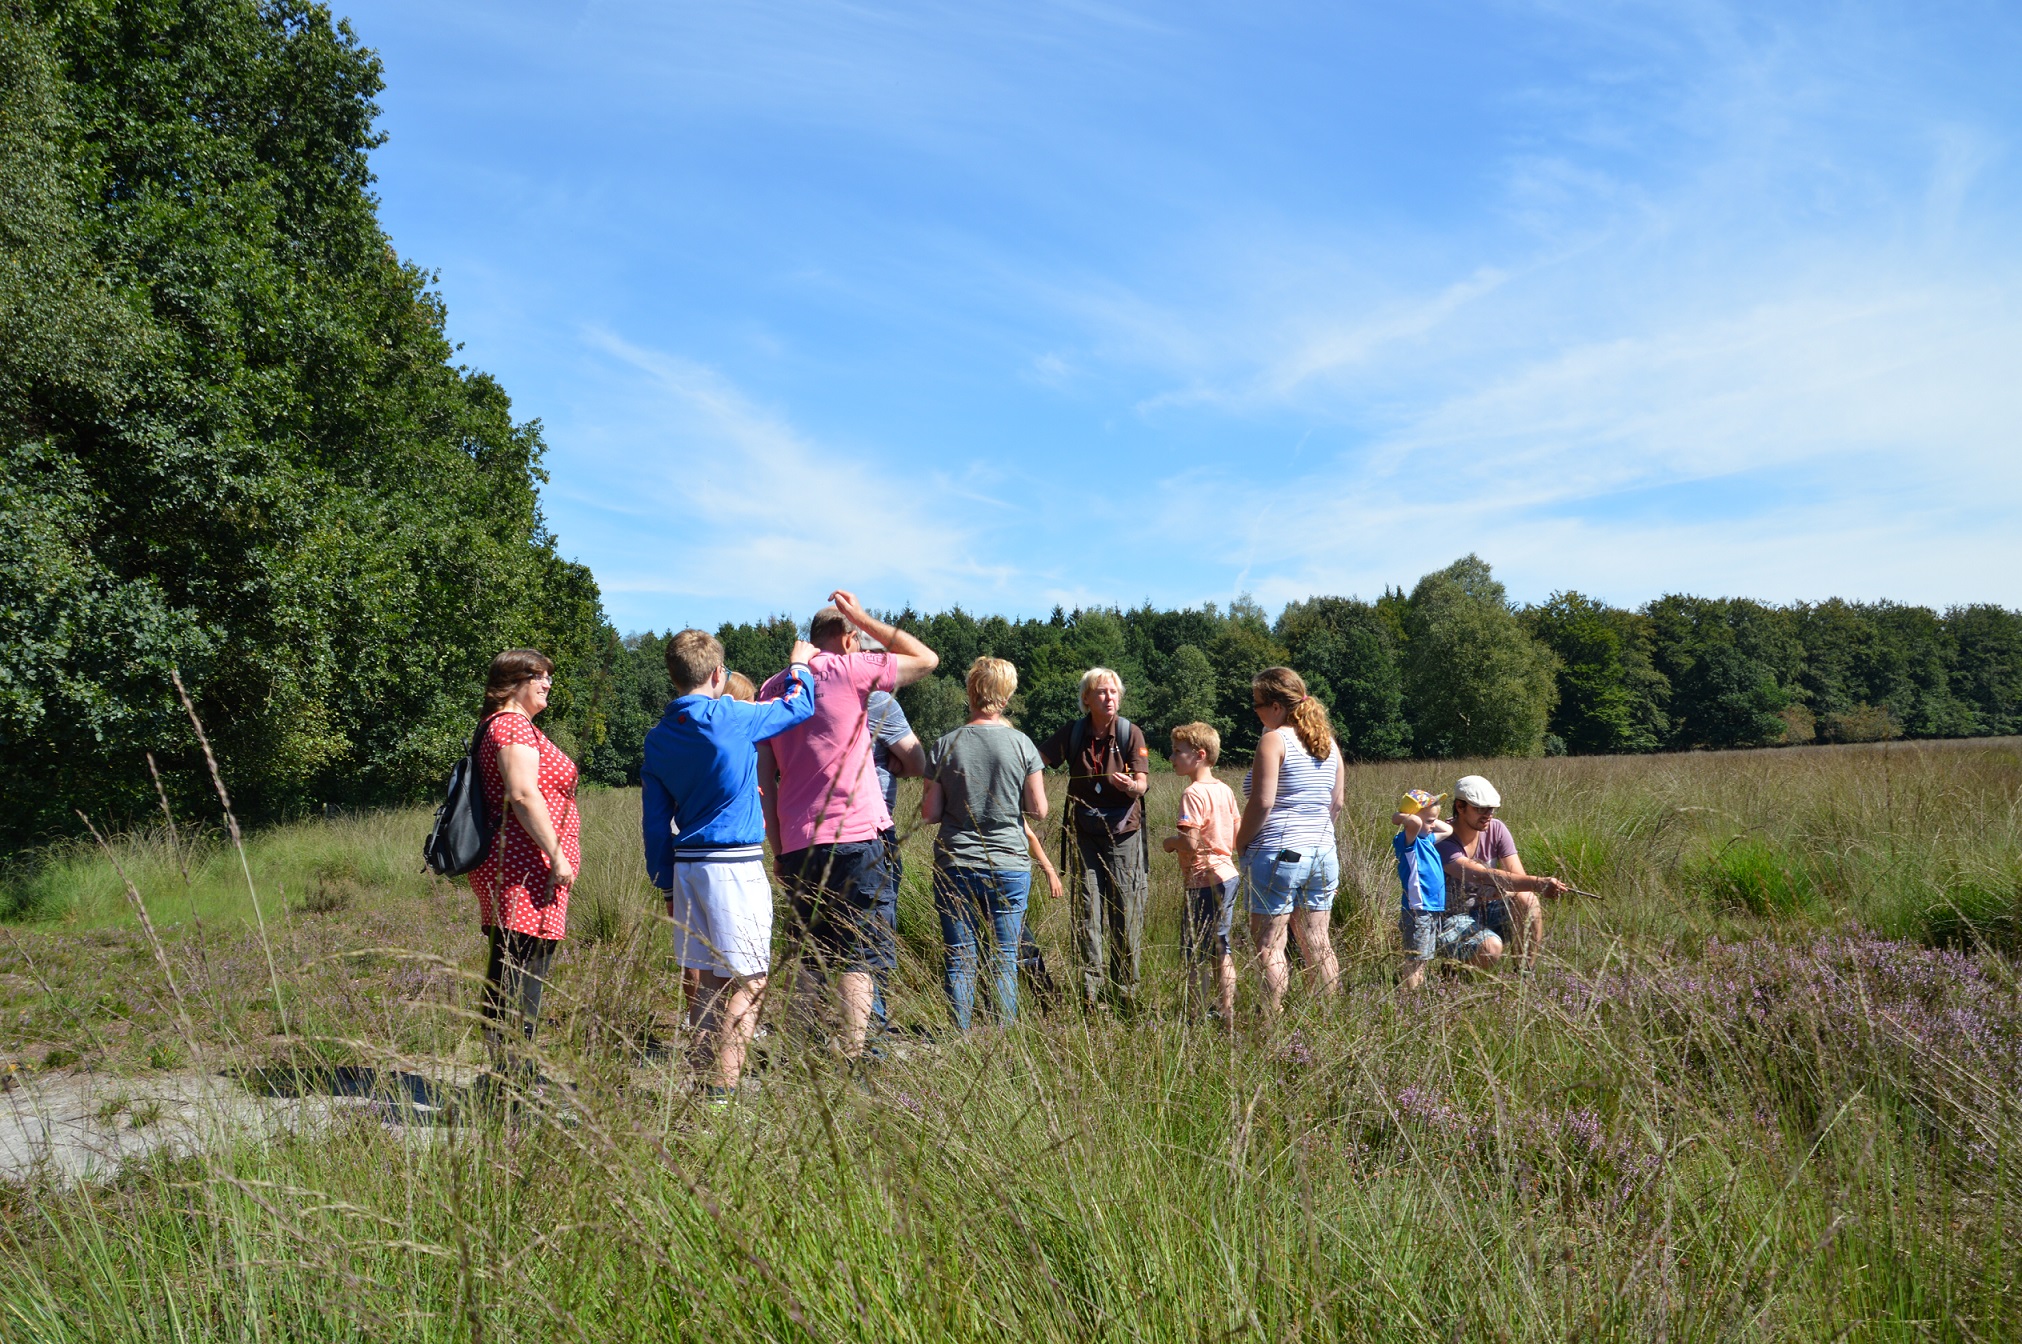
(522, 886)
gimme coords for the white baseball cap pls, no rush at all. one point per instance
(1474, 789)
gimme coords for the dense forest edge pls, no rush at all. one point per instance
(235, 441)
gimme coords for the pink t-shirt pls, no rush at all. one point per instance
(828, 787)
(1211, 805)
(1492, 847)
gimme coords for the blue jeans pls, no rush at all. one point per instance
(1437, 933)
(965, 898)
(888, 911)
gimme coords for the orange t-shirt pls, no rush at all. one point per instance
(1210, 805)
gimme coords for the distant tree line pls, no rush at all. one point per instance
(1453, 668)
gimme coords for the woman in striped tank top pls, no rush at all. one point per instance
(1287, 836)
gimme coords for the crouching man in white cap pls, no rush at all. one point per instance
(1481, 862)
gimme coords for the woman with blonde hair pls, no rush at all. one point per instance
(983, 780)
(1286, 838)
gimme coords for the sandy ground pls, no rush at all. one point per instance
(70, 1127)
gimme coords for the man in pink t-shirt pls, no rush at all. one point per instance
(825, 810)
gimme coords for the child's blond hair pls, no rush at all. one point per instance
(1200, 737)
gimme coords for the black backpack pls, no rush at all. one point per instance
(464, 826)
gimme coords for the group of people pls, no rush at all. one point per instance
(807, 766)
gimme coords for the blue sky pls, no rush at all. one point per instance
(1021, 304)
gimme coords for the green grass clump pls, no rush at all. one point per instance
(1974, 912)
(1756, 877)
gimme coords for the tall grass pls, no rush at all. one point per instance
(1769, 1089)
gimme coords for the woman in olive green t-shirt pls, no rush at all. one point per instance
(983, 780)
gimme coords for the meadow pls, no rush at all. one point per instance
(1767, 1089)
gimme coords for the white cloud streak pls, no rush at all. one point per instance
(753, 507)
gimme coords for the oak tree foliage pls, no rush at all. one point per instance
(234, 438)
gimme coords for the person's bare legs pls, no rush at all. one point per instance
(1316, 950)
(1215, 982)
(1413, 974)
(730, 1015)
(1268, 933)
(1490, 954)
(855, 993)
(692, 993)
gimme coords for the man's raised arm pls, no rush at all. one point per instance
(795, 705)
(915, 660)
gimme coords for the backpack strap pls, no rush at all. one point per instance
(1123, 739)
(1077, 741)
(505, 802)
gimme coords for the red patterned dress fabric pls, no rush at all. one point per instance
(512, 883)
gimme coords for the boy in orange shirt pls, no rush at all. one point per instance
(1208, 817)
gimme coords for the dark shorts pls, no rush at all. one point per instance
(836, 892)
(895, 868)
(1495, 917)
(1209, 912)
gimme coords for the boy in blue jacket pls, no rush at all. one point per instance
(705, 835)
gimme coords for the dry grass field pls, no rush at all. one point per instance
(1770, 1088)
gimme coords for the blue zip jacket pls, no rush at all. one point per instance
(699, 783)
(1419, 869)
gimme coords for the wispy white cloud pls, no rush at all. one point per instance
(1740, 336)
(1813, 446)
(749, 505)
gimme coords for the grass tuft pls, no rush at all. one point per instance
(1755, 877)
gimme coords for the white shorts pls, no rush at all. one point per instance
(723, 916)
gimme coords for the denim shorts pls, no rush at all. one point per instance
(1495, 917)
(1280, 885)
(1209, 912)
(1430, 933)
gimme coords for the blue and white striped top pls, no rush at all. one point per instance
(1302, 817)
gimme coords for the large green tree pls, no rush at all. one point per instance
(1865, 657)
(1477, 683)
(1987, 673)
(233, 438)
(1349, 656)
(1734, 666)
(1611, 699)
